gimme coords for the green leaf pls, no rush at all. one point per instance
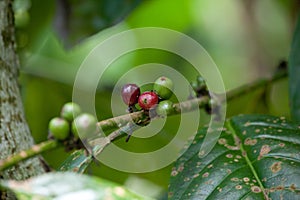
(68, 186)
(294, 71)
(256, 157)
(78, 161)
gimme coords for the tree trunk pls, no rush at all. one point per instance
(14, 132)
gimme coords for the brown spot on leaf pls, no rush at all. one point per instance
(250, 142)
(186, 179)
(265, 149)
(255, 189)
(210, 182)
(293, 187)
(201, 153)
(232, 147)
(280, 187)
(222, 141)
(229, 155)
(174, 173)
(195, 175)
(181, 167)
(281, 144)
(237, 141)
(238, 187)
(210, 166)
(276, 167)
(206, 174)
(234, 179)
(246, 179)
(244, 153)
(272, 189)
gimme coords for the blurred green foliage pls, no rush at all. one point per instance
(294, 70)
(244, 40)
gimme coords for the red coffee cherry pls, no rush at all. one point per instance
(130, 94)
(147, 100)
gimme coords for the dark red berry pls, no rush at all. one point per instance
(130, 94)
(147, 100)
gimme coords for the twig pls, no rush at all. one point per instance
(128, 123)
(240, 91)
(125, 121)
(138, 117)
(101, 142)
(26, 154)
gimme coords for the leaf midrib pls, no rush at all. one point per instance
(248, 161)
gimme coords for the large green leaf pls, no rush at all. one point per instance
(256, 157)
(294, 71)
(68, 186)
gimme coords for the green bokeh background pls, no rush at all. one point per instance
(246, 39)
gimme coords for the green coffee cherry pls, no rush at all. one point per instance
(84, 125)
(165, 108)
(70, 110)
(22, 18)
(201, 83)
(194, 85)
(59, 128)
(163, 87)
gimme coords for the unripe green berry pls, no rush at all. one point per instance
(201, 83)
(59, 128)
(165, 108)
(163, 87)
(22, 18)
(194, 85)
(84, 125)
(70, 110)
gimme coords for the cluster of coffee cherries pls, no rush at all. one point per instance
(71, 123)
(155, 100)
(199, 87)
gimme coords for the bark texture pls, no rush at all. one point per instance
(14, 132)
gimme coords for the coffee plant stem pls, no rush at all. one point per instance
(140, 118)
(240, 91)
(26, 154)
